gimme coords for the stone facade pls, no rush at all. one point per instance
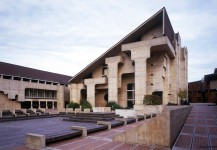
(150, 59)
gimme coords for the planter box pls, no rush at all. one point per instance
(125, 112)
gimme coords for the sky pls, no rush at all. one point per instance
(64, 36)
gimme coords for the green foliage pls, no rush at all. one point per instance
(73, 105)
(85, 104)
(113, 105)
(182, 94)
(152, 100)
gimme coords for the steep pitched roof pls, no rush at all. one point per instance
(20, 71)
(160, 17)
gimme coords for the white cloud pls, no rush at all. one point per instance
(64, 36)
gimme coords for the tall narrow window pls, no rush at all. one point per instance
(104, 70)
(130, 95)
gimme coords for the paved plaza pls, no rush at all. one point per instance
(198, 132)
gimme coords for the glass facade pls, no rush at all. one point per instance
(40, 94)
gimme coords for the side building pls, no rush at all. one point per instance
(149, 60)
(205, 90)
(22, 87)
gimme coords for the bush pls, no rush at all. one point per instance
(85, 104)
(172, 104)
(152, 100)
(113, 105)
(73, 105)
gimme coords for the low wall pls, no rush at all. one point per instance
(101, 109)
(157, 109)
(161, 130)
(125, 112)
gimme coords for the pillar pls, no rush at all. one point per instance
(112, 63)
(91, 83)
(31, 104)
(39, 104)
(60, 97)
(46, 104)
(140, 54)
(91, 94)
(75, 92)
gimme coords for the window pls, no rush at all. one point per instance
(131, 91)
(40, 94)
(104, 70)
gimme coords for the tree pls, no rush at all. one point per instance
(182, 94)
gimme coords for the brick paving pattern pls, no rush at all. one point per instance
(199, 130)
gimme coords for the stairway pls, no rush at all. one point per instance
(20, 113)
(7, 113)
(92, 117)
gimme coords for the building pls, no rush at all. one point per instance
(204, 90)
(22, 87)
(148, 60)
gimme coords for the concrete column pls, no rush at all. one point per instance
(91, 94)
(90, 83)
(31, 105)
(39, 104)
(46, 105)
(52, 104)
(60, 97)
(75, 92)
(112, 63)
(139, 53)
(140, 81)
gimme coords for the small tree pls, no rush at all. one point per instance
(152, 100)
(113, 105)
(85, 104)
(182, 94)
(73, 105)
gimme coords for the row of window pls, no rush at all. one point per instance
(40, 94)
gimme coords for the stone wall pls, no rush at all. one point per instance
(161, 130)
(5, 103)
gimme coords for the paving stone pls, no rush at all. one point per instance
(187, 129)
(200, 142)
(200, 130)
(212, 130)
(183, 141)
(190, 122)
(201, 122)
(213, 141)
(211, 122)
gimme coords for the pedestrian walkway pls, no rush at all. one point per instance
(199, 130)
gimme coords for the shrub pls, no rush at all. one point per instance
(152, 100)
(113, 105)
(73, 105)
(85, 104)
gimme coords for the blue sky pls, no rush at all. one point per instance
(64, 36)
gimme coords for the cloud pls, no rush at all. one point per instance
(64, 36)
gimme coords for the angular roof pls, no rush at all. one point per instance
(159, 18)
(20, 71)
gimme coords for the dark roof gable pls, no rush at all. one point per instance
(20, 71)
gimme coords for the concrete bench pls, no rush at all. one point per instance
(105, 123)
(78, 110)
(83, 129)
(69, 110)
(86, 110)
(35, 141)
(123, 120)
(134, 117)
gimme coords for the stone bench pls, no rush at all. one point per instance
(78, 110)
(69, 110)
(123, 120)
(105, 123)
(134, 117)
(86, 110)
(82, 129)
(35, 141)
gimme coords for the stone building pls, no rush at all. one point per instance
(205, 90)
(22, 87)
(148, 60)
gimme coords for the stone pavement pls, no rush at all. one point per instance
(199, 130)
